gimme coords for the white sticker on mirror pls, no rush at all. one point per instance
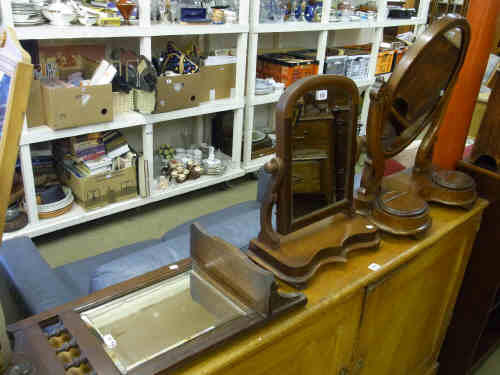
(109, 341)
(374, 267)
(321, 94)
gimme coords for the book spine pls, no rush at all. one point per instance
(90, 151)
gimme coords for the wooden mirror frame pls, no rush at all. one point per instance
(284, 130)
(381, 106)
(296, 251)
(419, 180)
(219, 263)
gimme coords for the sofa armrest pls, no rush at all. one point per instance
(30, 277)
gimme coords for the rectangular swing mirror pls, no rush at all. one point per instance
(317, 142)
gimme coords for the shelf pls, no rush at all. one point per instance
(351, 25)
(78, 215)
(47, 31)
(402, 22)
(275, 96)
(203, 109)
(256, 164)
(288, 27)
(126, 120)
(44, 133)
(202, 182)
(159, 30)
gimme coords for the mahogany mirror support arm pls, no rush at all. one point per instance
(267, 233)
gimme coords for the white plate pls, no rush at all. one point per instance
(51, 207)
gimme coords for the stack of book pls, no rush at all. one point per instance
(43, 165)
(93, 154)
(115, 144)
(94, 167)
(87, 147)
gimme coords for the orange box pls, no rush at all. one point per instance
(285, 68)
(399, 54)
(384, 62)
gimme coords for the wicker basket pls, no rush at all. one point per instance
(144, 101)
(123, 102)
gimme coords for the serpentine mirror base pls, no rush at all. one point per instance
(301, 253)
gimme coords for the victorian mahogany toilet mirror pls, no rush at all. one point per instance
(312, 182)
(414, 98)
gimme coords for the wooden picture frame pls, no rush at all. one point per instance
(15, 63)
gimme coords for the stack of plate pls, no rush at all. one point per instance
(46, 211)
(28, 12)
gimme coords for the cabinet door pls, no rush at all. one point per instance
(322, 345)
(407, 313)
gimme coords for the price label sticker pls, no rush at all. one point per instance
(321, 94)
(374, 267)
(109, 341)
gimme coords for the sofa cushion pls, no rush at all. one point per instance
(134, 264)
(237, 225)
(77, 275)
(37, 285)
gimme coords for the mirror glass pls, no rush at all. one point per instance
(141, 326)
(320, 148)
(423, 83)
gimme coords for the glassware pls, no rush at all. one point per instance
(126, 7)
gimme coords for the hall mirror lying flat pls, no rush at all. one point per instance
(312, 182)
(414, 98)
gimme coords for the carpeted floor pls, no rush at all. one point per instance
(139, 224)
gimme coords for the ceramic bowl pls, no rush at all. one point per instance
(59, 14)
(87, 20)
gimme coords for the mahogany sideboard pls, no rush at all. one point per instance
(384, 312)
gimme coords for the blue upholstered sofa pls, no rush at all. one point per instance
(28, 285)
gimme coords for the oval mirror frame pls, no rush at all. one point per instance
(383, 99)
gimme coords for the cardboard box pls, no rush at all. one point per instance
(217, 81)
(178, 92)
(76, 106)
(100, 190)
(35, 115)
(384, 62)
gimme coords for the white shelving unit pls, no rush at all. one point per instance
(145, 32)
(322, 28)
(242, 103)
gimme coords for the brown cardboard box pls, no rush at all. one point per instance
(100, 190)
(177, 92)
(217, 81)
(35, 115)
(75, 106)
